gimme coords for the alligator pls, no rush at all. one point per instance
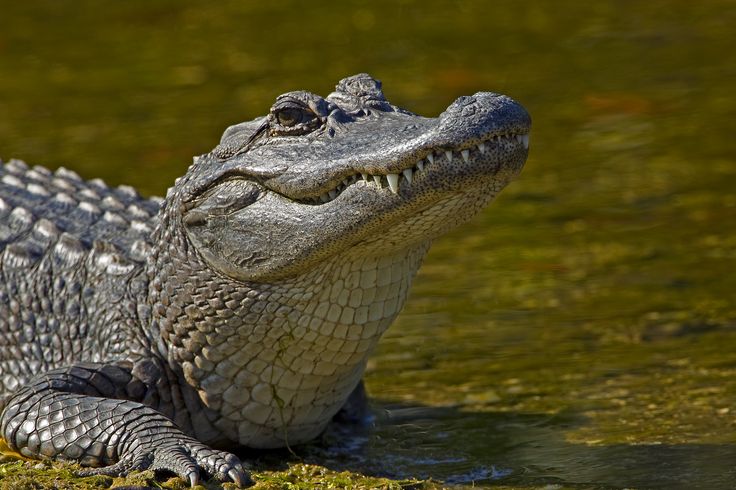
(239, 310)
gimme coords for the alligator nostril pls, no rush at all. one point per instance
(469, 110)
(465, 100)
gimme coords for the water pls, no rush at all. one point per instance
(581, 332)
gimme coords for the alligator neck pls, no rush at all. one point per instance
(274, 361)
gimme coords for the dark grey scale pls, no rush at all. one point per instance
(15, 166)
(12, 181)
(21, 256)
(5, 208)
(152, 207)
(132, 201)
(39, 173)
(45, 232)
(87, 211)
(37, 185)
(114, 215)
(89, 195)
(138, 212)
(6, 233)
(20, 220)
(69, 175)
(60, 184)
(112, 203)
(140, 250)
(17, 222)
(62, 202)
(99, 185)
(141, 228)
(115, 219)
(107, 260)
(69, 251)
(37, 190)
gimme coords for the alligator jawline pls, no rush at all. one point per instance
(406, 176)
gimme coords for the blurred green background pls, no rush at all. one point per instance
(581, 332)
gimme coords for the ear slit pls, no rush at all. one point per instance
(195, 218)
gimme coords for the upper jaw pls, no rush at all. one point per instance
(404, 179)
(386, 150)
(393, 150)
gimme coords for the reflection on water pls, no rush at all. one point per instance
(519, 450)
(579, 333)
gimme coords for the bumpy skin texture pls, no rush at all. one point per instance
(241, 309)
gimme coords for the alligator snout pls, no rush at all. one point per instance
(486, 114)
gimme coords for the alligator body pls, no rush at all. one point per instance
(239, 310)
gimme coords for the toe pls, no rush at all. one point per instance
(177, 460)
(117, 469)
(240, 477)
(224, 466)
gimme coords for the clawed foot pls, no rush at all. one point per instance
(187, 459)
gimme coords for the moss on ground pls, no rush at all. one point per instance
(42, 475)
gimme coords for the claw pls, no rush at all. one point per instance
(240, 478)
(193, 478)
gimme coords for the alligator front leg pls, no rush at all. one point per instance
(88, 413)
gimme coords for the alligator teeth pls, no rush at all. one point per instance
(393, 182)
(407, 175)
(410, 173)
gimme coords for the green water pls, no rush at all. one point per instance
(581, 332)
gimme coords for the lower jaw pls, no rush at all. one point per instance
(435, 220)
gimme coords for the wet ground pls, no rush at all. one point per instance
(580, 333)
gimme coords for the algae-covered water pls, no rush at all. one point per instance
(581, 332)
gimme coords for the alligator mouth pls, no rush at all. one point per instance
(395, 181)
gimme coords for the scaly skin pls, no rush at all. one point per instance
(242, 308)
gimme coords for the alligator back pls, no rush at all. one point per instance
(86, 209)
(71, 257)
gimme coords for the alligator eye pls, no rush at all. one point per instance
(296, 114)
(289, 116)
(290, 120)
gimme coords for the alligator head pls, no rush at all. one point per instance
(318, 176)
(284, 253)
